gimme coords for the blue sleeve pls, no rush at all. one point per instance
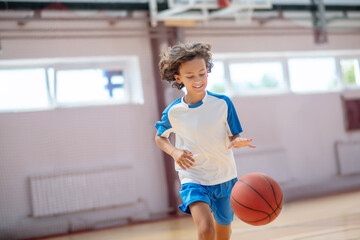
(164, 125)
(232, 118)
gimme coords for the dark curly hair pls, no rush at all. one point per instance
(182, 52)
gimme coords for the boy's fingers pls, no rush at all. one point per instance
(186, 165)
(245, 140)
(190, 161)
(182, 166)
(190, 155)
(188, 152)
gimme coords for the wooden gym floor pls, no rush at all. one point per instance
(335, 217)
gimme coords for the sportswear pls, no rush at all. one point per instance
(216, 196)
(203, 129)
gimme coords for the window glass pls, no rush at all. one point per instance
(49, 83)
(312, 74)
(23, 89)
(258, 76)
(51, 77)
(350, 71)
(216, 79)
(89, 85)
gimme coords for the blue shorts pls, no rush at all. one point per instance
(217, 196)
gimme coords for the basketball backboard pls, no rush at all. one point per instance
(204, 10)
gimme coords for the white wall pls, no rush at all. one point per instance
(297, 132)
(33, 143)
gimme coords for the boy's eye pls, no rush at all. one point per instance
(189, 76)
(202, 74)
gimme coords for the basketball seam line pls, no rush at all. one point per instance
(258, 194)
(259, 219)
(277, 204)
(272, 188)
(268, 215)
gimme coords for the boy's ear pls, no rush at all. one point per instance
(177, 78)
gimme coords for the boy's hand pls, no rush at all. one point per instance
(183, 158)
(240, 143)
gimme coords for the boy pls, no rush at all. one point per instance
(206, 127)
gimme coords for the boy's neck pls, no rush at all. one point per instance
(193, 99)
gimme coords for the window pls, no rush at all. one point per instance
(312, 74)
(89, 85)
(216, 79)
(350, 72)
(257, 77)
(263, 73)
(51, 83)
(23, 89)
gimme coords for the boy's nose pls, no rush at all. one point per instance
(198, 79)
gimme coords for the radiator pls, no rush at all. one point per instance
(56, 194)
(348, 157)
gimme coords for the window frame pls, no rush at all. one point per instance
(126, 64)
(344, 86)
(121, 66)
(336, 89)
(283, 57)
(276, 91)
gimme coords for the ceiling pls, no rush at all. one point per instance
(331, 5)
(337, 15)
(161, 10)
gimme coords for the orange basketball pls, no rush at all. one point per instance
(256, 199)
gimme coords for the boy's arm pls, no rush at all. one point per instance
(164, 144)
(237, 142)
(182, 157)
(232, 138)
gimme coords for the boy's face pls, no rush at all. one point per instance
(193, 74)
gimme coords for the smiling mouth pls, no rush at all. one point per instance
(199, 86)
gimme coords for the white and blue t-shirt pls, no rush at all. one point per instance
(203, 129)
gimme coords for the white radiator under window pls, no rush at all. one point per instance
(80, 191)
